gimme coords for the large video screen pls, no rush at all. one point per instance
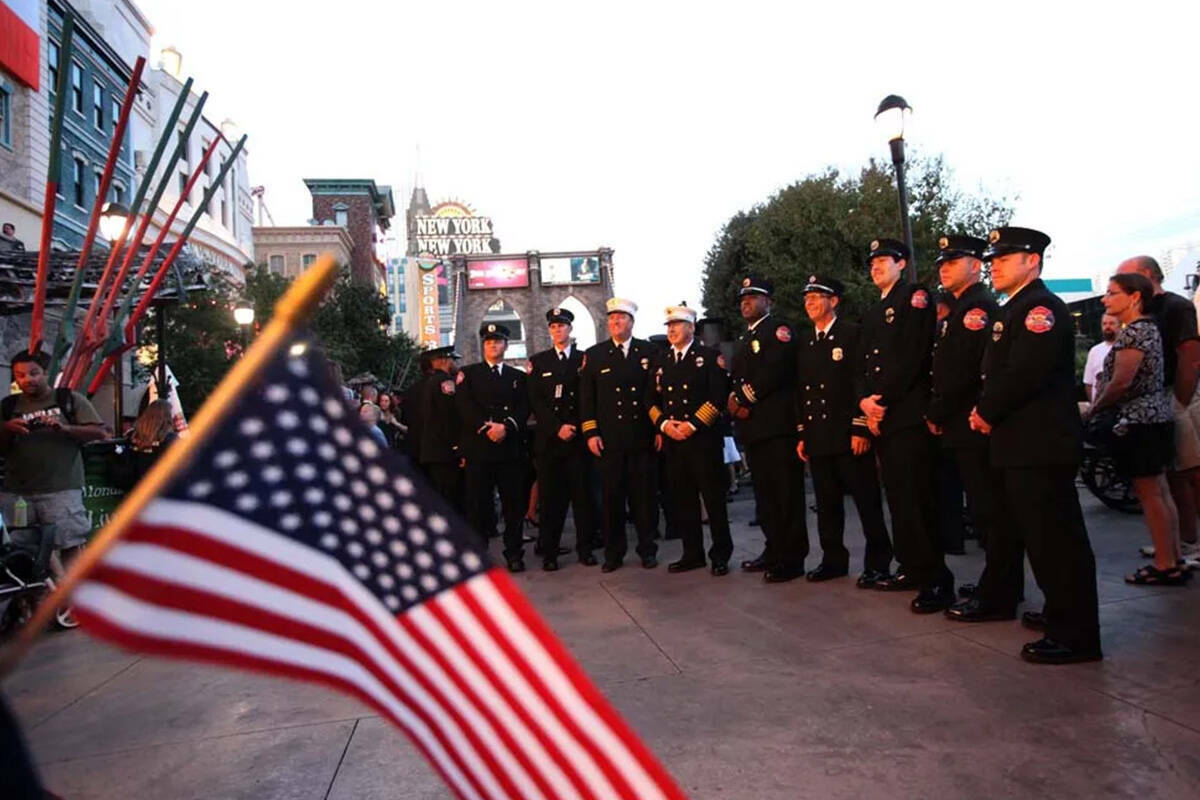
(508, 273)
(583, 269)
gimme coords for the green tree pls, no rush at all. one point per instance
(350, 325)
(824, 224)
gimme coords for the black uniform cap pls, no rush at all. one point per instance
(1003, 241)
(825, 285)
(492, 330)
(442, 352)
(753, 284)
(889, 247)
(952, 247)
(559, 315)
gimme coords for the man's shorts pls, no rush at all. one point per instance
(72, 524)
(1187, 434)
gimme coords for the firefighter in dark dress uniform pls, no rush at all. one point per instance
(834, 440)
(956, 380)
(493, 408)
(683, 395)
(618, 433)
(438, 448)
(410, 411)
(762, 403)
(1027, 408)
(563, 463)
(897, 339)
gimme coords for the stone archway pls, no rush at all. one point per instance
(584, 329)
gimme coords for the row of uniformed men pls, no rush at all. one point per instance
(993, 387)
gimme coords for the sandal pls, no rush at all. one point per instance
(1152, 576)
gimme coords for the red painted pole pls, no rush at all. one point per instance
(114, 152)
(53, 174)
(148, 296)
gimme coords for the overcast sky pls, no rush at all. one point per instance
(643, 126)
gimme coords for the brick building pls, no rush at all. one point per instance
(364, 210)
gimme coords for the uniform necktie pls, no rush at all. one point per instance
(820, 336)
(496, 370)
(562, 356)
(678, 356)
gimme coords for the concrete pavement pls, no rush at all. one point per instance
(743, 690)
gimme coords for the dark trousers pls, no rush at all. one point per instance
(1041, 511)
(565, 478)
(981, 483)
(627, 477)
(446, 480)
(837, 475)
(949, 504)
(509, 478)
(694, 470)
(906, 465)
(779, 497)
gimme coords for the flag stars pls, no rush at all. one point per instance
(391, 602)
(443, 548)
(417, 536)
(403, 485)
(335, 477)
(359, 488)
(313, 495)
(237, 480)
(384, 501)
(437, 523)
(225, 459)
(349, 526)
(262, 450)
(272, 473)
(200, 489)
(351, 463)
(342, 436)
(422, 559)
(399, 549)
(306, 471)
(411, 512)
(297, 446)
(361, 572)
(373, 536)
(318, 424)
(276, 393)
(429, 583)
(385, 580)
(342, 502)
(334, 407)
(471, 561)
(310, 396)
(404, 570)
(366, 513)
(246, 502)
(329, 541)
(379, 559)
(298, 367)
(409, 593)
(322, 519)
(355, 550)
(290, 522)
(281, 498)
(376, 474)
(449, 571)
(252, 426)
(368, 448)
(327, 451)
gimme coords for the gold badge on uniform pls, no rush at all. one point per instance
(699, 361)
(754, 345)
(889, 315)
(997, 331)
(837, 354)
(645, 363)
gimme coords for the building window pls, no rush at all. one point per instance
(5, 115)
(97, 106)
(183, 179)
(118, 193)
(77, 87)
(307, 259)
(99, 176)
(224, 213)
(77, 174)
(116, 113)
(276, 264)
(183, 148)
(52, 65)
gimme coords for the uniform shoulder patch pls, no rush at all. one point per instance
(460, 376)
(1039, 319)
(919, 299)
(448, 386)
(783, 333)
(975, 319)
(721, 361)
(528, 367)
(583, 363)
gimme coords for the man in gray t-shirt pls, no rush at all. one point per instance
(42, 432)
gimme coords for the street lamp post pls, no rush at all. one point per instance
(891, 115)
(243, 315)
(112, 221)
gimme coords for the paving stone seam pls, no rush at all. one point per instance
(89, 692)
(213, 738)
(342, 758)
(638, 625)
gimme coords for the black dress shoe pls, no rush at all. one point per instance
(900, 582)
(783, 574)
(933, 599)
(516, 565)
(967, 590)
(824, 572)
(1034, 620)
(755, 564)
(871, 577)
(588, 560)
(684, 566)
(550, 564)
(1048, 651)
(562, 551)
(649, 562)
(610, 566)
(720, 568)
(973, 610)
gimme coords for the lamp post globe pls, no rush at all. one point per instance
(243, 315)
(891, 117)
(113, 217)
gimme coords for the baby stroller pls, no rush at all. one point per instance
(25, 578)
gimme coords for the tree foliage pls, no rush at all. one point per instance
(824, 223)
(203, 340)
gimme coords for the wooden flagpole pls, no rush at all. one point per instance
(53, 177)
(292, 310)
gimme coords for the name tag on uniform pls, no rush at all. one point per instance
(547, 374)
(606, 369)
(558, 391)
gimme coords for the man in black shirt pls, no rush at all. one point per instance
(1176, 320)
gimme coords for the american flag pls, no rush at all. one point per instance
(294, 545)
